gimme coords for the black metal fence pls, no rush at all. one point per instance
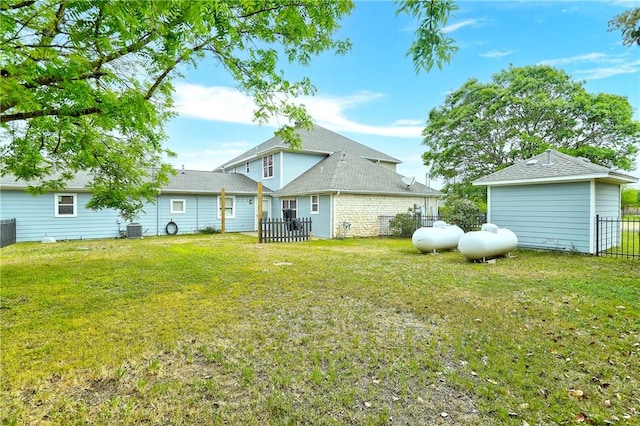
(405, 224)
(284, 230)
(617, 237)
(7, 232)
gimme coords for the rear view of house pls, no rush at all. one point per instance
(331, 179)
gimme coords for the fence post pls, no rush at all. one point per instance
(597, 235)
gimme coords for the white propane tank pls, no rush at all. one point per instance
(439, 237)
(489, 242)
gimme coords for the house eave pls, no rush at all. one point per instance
(356, 192)
(603, 177)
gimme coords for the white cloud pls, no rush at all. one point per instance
(409, 122)
(213, 103)
(605, 72)
(454, 27)
(496, 53)
(226, 104)
(589, 57)
(608, 65)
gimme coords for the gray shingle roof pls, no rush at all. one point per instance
(189, 181)
(553, 166)
(196, 181)
(318, 140)
(350, 173)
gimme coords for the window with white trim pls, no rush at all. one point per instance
(315, 204)
(229, 207)
(66, 205)
(267, 166)
(178, 206)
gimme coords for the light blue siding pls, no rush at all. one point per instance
(608, 204)
(245, 216)
(200, 212)
(608, 199)
(35, 218)
(255, 171)
(295, 164)
(552, 216)
(320, 222)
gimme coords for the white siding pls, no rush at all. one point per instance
(552, 216)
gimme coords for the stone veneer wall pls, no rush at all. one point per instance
(363, 211)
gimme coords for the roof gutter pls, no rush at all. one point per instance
(603, 176)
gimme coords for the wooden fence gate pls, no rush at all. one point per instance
(7, 232)
(281, 230)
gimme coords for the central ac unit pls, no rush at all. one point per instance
(134, 230)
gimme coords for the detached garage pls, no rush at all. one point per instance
(551, 201)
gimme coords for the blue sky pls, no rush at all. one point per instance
(373, 95)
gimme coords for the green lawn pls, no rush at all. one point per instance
(217, 329)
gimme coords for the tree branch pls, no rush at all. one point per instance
(44, 113)
(25, 3)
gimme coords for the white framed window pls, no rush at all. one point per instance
(290, 204)
(178, 206)
(315, 204)
(267, 166)
(229, 207)
(66, 205)
(247, 167)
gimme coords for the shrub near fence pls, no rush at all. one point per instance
(280, 230)
(405, 224)
(7, 232)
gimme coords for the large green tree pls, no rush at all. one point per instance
(484, 127)
(86, 85)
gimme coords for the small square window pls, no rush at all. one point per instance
(66, 205)
(178, 206)
(247, 167)
(315, 204)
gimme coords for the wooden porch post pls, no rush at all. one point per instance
(259, 211)
(223, 212)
